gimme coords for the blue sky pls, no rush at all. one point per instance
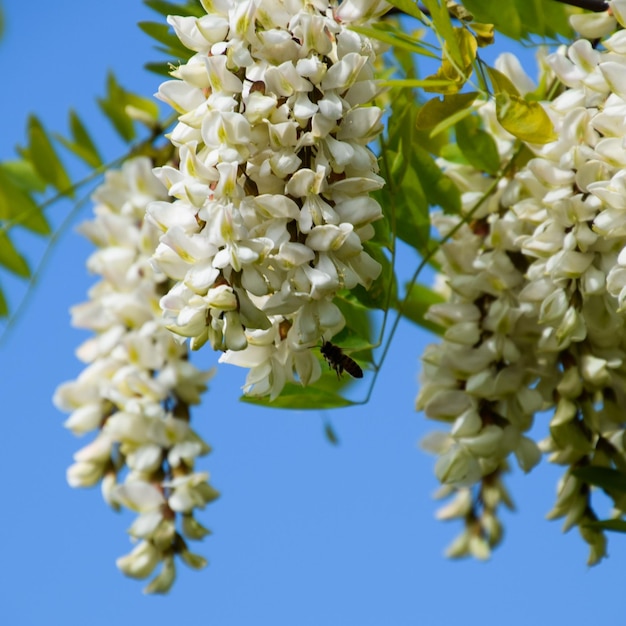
(305, 533)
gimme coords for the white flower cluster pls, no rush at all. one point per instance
(535, 319)
(481, 377)
(271, 202)
(137, 387)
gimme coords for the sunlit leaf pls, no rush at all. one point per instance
(521, 18)
(501, 83)
(441, 19)
(525, 120)
(18, 207)
(410, 7)
(295, 397)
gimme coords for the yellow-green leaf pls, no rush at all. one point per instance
(525, 120)
(443, 26)
(11, 259)
(501, 83)
(410, 7)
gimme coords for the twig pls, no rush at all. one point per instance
(597, 6)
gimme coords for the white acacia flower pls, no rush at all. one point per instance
(138, 384)
(271, 196)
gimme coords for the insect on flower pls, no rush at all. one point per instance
(339, 361)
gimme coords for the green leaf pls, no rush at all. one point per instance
(114, 107)
(295, 397)
(44, 158)
(443, 25)
(377, 296)
(23, 173)
(4, 307)
(415, 306)
(477, 146)
(525, 120)
(84, 147)
(616, 525)
(329, 431)
(438, 109)
(175, 8)
(18, 207)
(501, 83)
(161, 68)
(410, 7)
(163, 34)
(357, 333)
(11, 259)
(390, 33)
(439, 188)
(520, 18)
(412, 219)
(603, 477)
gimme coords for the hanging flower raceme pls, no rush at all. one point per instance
(480, 378)
(137, 387)
(271, 202)
(563, 287)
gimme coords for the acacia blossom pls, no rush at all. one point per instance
(561, 280)
(271, 208)
(137, 387)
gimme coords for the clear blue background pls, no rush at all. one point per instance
(305, 533)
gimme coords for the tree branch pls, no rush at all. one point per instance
(597, 6)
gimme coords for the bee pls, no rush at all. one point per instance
(339, 361)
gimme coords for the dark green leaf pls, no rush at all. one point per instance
(477, 146)
(11, 259)
(412, 218)
(603, 477)
(164, 34)
(44, 158)
(329, 431)
(439, 188)
(161, 68)
(415, 306)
